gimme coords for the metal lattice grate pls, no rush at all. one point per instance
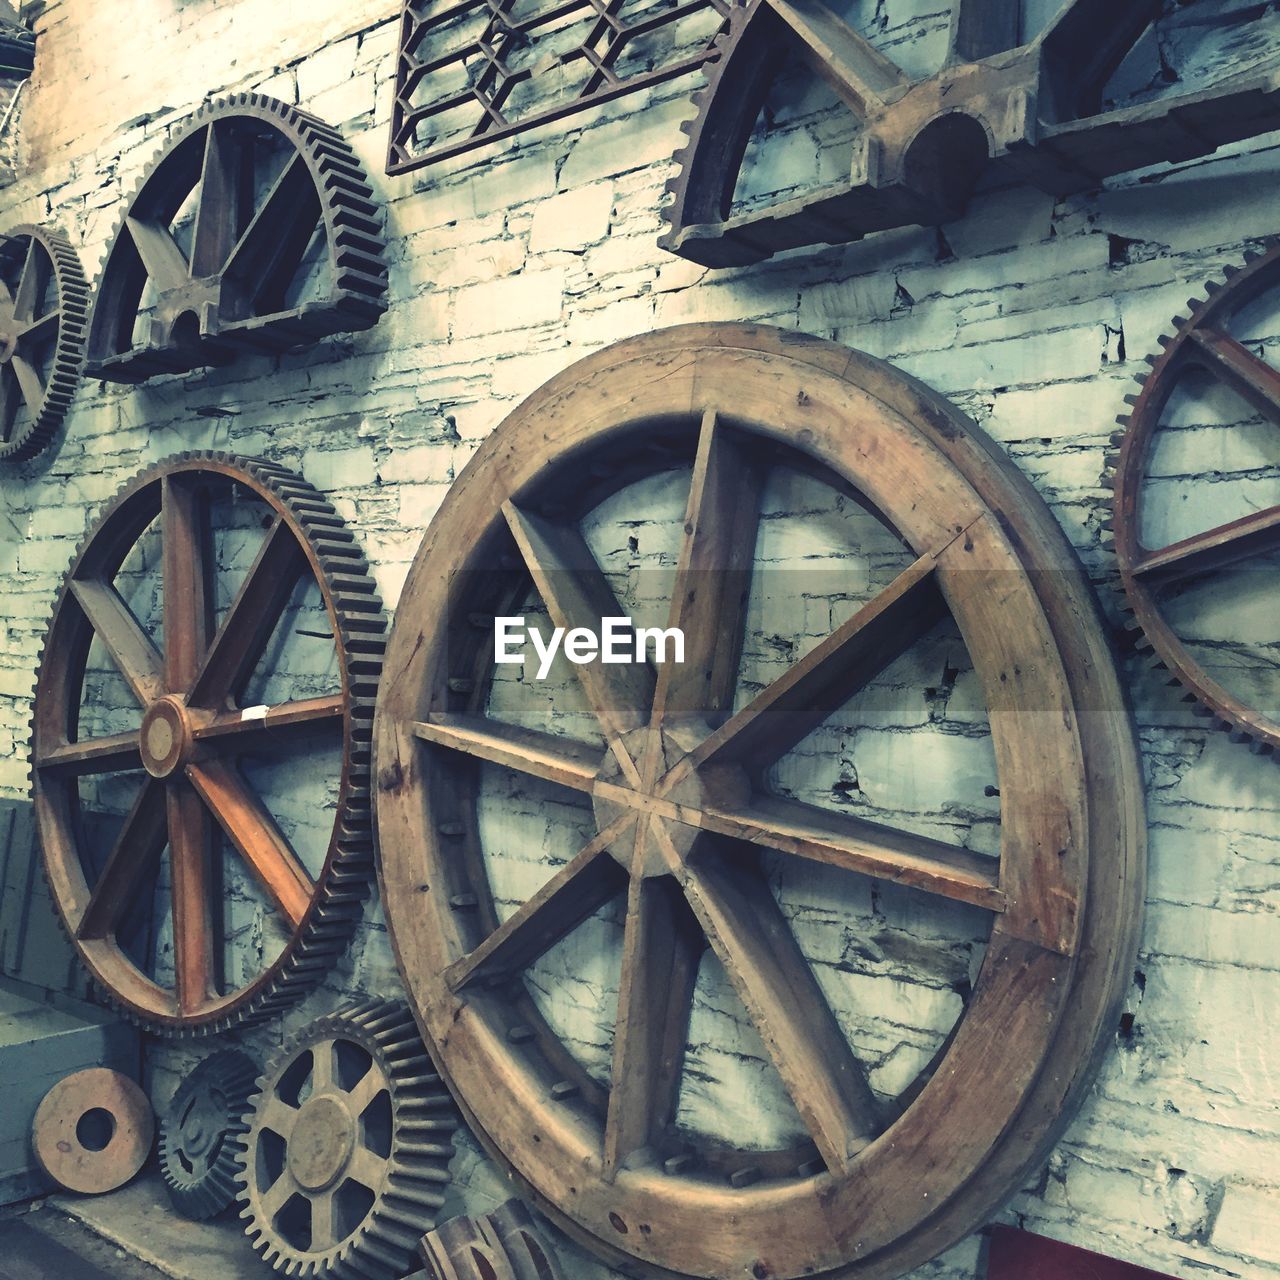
(473, 72)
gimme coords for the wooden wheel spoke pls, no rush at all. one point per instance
(1245, 373)
(251, 619)
(1085, 43)
(267, 721)
(541, 755)
(367, 1168)
(29, 383)
(269, 252)
(862, 75)
(578, 889)
(323, 1068)
(855, 844)
(223, 177)
(750, 935)
(1217, 548)
(188, 573)
(372, 1083)
(854, 654)
(981, 28)
(45, 329)
(663, 945)
(324, 1229)
(135, 854)
(113, 754)
(253, 831)
(163, 260)
(278, 1116)
(282, 1190)
(577, 594)
(131, 649)
(713, 580)
(37, 269)
(195, 892)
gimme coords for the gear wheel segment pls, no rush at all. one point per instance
(200, 1134)
(195, 730)
(1201, 339)
(222, 242)
(348, 1148)
(43, 303)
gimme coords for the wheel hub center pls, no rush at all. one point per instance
(323, 1138)
(668, 795)
(165, 738)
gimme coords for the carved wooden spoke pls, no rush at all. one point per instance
(677, 780)
(43, 302)
(1201, 340)
(1030, 108)
(220, 235)
(195, 727)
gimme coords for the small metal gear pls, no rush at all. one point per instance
(200, 718)
(200, 1134)
(43, 304)
(347, 1152)
(1200, 339)
(165, 307)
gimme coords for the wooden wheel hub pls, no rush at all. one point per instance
(324, 1135)
(166, 740)
(678, 774)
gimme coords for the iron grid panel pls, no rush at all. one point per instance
(470, 73)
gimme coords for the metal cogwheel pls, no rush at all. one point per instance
(194, 731)
(43, 304)
(267, 182)
(348, 1147)
(200, 1134)
(1202, 340)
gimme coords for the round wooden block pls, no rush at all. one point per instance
(93, 1131)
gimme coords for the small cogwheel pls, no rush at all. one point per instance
(348, 1148)
(1201, 339)
(200, 1134)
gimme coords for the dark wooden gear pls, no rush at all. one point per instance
(192, 733)
(347, 1155)
(681, 804)
(1032, 110)
(262, 181)
(506, 1244)
(200, 1134)
(43, 302)
(1201, 340)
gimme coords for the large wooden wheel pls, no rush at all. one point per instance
(192, 730)
(682, 806)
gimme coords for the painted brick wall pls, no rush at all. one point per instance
(1033, 315)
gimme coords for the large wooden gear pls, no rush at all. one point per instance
(1200, 340)
(195, 729)
(1032, 110)
(254, 229)
(680, 803)
(43, 302)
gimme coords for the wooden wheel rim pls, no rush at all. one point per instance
(1200, 340)
(305, 539)
(956, 1150)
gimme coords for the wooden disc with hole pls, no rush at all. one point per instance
(93, 1131)
(677, 777)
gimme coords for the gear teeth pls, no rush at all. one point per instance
(38, 432)
(353, 223)
(1260, 270)
(382, 1246)
(343, 883)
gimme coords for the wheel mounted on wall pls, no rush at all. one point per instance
(43, 301)
(680, 802)
(1201, 340)
(194, 731)
(254, 229)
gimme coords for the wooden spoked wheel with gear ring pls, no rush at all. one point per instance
(195, 730)
(682, 803)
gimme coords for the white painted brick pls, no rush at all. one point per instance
(1247, 1222)
(517, 302)
(573, 220)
